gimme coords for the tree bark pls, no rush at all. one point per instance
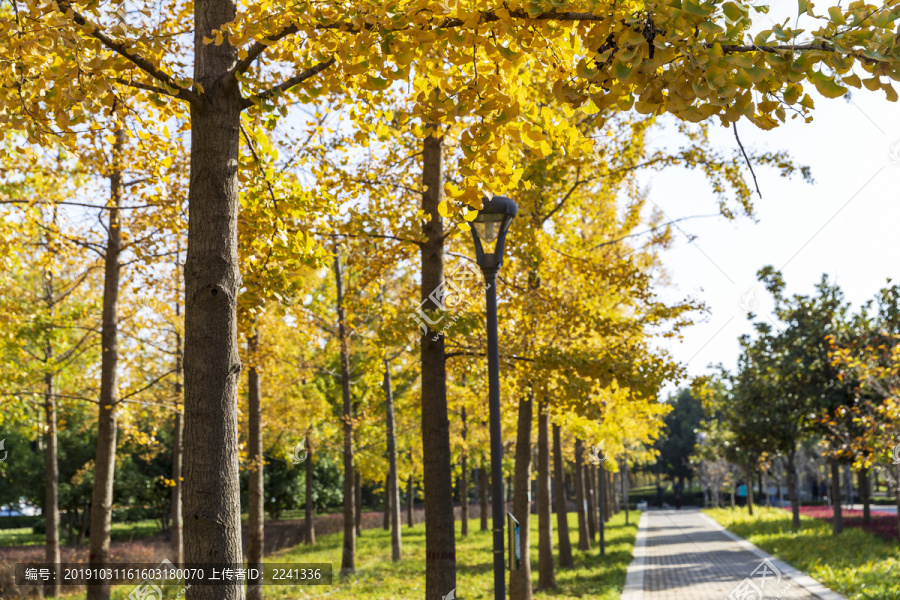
(348, 556)
(357, 489)
(105, 461)
(256, 494)
(749, 491)
(464, 483)
(51, 466)
(212, 366)
(520, 580)
(863, 482)
(625, 483)
(483, 496)
(410, 499)
(386, 522)
(837, 523)
(546, 574)
(793, 496)
(393, 488)
(440, 534)
(601, 494)
(310, 534)
(177, 448)
(584, 540)
(591, 501)
(562, 523)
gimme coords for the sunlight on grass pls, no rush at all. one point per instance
(859, 565)
(593, 578)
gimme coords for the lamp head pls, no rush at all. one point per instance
(489, 230)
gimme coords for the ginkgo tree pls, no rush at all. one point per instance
(66, 60)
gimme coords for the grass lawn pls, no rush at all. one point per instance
(859, 565)
(377, 577)
(119, 532)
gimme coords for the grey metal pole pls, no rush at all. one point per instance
(493, 356)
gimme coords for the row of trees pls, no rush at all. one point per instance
(410, 105)
(819, 380)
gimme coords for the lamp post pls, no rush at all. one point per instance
(489, 232)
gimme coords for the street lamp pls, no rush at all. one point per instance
(489, 232)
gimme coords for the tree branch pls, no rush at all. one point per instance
(286, 85)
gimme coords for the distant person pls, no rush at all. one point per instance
(678, 486)
(742, 494)
(659, 495)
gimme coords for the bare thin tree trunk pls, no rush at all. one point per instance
(105, 461)
(591, 512)
(837, 523)
(440, 533)
(483, 496)
(386, 522)
(562, 523)
(51, 465)
(625, 483)
(256, 494)
(546, 574)
(177, 444)
(310, 534)
(357, 488)
(464, 483)
(863, 481)
(348, 556)
(520, 580)
(601, 488)
(410, 499)
(584, 540)
(792, 490)
(749, 491)
(393, 489)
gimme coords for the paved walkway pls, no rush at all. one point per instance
(685, 555)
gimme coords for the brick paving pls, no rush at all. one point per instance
(684, 555)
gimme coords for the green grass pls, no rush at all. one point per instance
(119, 532)
(377, 577)
(859, 565)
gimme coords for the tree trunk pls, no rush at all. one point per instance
(483, 496)
(386, 522)
(410, 498)
(310, 534)
(591, 501)
(863, 481)
(793, 496)
(357, 489)
(837, 523)
(177, 449)
(440, 534)
(520, 580)
(763, 491)
(51, 466)
(749, 491)
(546, 575)
(625, 483)
(212, 366)
(464, 483)
(392, 487)
(105, 461)
(562, 523)
(584, 540)
(601, 494)
(348, 555)
(256, 493)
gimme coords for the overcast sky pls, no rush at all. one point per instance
(845, 225)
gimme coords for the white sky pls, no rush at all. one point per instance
(844, 225)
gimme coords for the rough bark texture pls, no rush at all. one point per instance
(440, 535)
(483, 497)
(546, 574)
(625, 484)
(105, 461)
(357, 489)
(51, 466)
(393, 489)
(584, 540)
(464, 483)
(601, 495)
(562, 523)
(410, 499)
(793, 496)
(256, 494)
(520, 581)
(310, 535)
(178, 449)
(348, 556)
(212, 366)
(837, 523)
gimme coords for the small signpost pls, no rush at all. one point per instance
(515, 547)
